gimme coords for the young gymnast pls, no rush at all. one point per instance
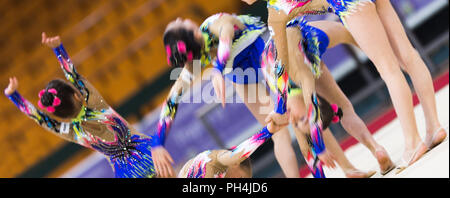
(313, 40)
(76, 112)
(235, 163)
(390, 51)
(230, 42)
(188, 54)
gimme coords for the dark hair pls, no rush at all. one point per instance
(65, 94)
(328, 115)
(181, 46)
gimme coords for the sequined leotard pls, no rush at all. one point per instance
(97, 126)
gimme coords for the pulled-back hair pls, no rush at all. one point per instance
(66, 106)
(329, 113)
(181, 46)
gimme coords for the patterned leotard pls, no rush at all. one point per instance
(97, 126)
(313, 44)
(343, 8)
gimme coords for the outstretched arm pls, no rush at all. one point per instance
(245, 149)
(29, 110)
(66, 64)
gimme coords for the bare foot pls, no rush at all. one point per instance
(414, 155)
(386, 164)
(435, 138)
(359, 174)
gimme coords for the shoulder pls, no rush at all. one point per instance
(210, 20)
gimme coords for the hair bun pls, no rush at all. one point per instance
(47, 99)
(178, 59)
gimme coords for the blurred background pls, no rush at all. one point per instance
(117, 45)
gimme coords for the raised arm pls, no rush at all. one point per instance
(66, 64)
(29, 110)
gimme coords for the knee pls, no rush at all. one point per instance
(389, 70)
(408, 57)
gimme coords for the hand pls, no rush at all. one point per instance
(277, 119)
(274, 128)
(12, 87)
(219, 86)
(52, 41)
(327, 159)
(163, 162)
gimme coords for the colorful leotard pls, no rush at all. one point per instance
(97, 126)
(313, 44)
(245, 51)
(246, 42)
(301, 7)
(343, 8)
(206, 165)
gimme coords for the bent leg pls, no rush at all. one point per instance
(351, 122)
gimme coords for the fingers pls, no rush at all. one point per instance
(44, 37)
(15, 82)
(163, 163)
(169, 158)
(223, 94)
(163, 170)
(52, 41)
(268, 118)
(327, 159)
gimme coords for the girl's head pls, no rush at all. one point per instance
(60, 99)
(297, 109)
(242, 170)
(183, 42)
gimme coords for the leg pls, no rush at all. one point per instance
(284, 153)
(301, 131)
(413, 64)
(352, 123)
(336, 32)
(367, 30)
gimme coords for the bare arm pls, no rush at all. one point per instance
(66, 64)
